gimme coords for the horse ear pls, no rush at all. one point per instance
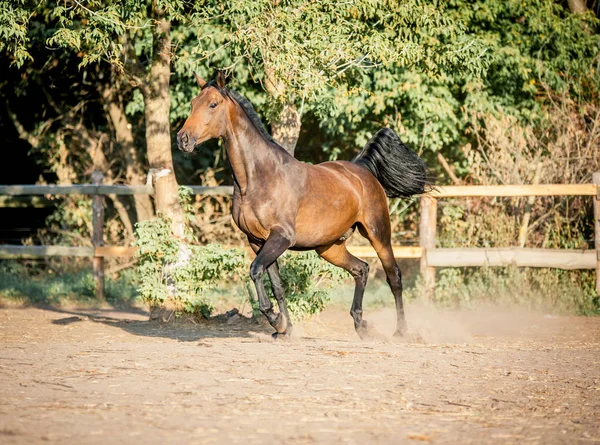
(200, 80)
(220, 79)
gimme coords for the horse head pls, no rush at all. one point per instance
(209, 116)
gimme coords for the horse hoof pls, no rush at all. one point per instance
(281, 336)
(367, 332)
(280, 323)
(363, 330)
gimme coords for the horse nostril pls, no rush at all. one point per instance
(185, 138)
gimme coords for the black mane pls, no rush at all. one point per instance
(246, 106)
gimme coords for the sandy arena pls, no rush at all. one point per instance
(94, 376)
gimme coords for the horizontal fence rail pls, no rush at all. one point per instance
(29, 252)
(76, 189)
(7, 251)
(512, 256)
(439, 257)
(430, 256)
(21, 202)
(456, 191)
(91, 189)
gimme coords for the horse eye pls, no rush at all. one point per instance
(213, 105)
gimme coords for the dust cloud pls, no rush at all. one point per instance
(430, 324)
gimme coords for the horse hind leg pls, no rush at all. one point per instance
(379, 235)
(338, 255)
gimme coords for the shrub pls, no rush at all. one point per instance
(178, 275)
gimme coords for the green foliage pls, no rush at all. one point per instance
(534, 49)
(178, 275)
(303, 48)
(13, 31)
(100, 30)
(534, 41)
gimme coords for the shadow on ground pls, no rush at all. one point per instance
(135, 321)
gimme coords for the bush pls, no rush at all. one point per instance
(179, 275)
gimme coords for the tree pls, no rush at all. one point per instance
(529, 45)
(301, 50)
(133, 43)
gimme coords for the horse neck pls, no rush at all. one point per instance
(250, 155)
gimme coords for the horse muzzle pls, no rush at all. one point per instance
(185, 143)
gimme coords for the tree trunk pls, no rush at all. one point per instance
(63, 168)
(158, 135)
(124, 138)
(285, 129)
(577, 6)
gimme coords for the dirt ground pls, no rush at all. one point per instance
(484, 376)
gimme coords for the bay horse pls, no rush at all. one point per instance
(281, 203)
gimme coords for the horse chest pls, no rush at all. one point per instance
(248, 221)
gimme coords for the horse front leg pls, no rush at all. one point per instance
(279, 292)
(274, 246)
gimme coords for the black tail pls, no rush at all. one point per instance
(400, 171)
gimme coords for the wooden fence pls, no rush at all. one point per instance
(430, 256)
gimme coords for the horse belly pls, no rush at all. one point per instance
(325, 222)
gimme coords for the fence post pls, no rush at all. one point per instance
(98, 236)
(427, 229)
(596, 180)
